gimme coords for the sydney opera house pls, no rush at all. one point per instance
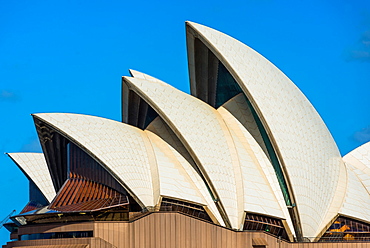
(244, 161)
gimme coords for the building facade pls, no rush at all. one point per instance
(244, 161)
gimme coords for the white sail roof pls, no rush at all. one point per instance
(144, 163)
(178, 179)
(181, 147)
(303, 143)
(120, 147)
(35, 167)
(359, 159)
(198, 126)
(357, 201)
(261, 189)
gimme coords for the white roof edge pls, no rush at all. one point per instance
(34, 166)
(260, 87)
(150, 90)
(361, 147)
(85, 145)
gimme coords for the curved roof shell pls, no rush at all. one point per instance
(261, 189)
(120, 148)
(259, 197)
(35, 168)
(178, 179)
(305, 147)
(357, 201)
(198, 126)
(359, 159)
(220, 153)
(231, 154)
(143, 163)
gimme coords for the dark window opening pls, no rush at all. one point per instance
(346, 230)
(140, 113)
(112, 215)
(57, 235)
(82, 165)
(265, 223)
(214, 84)
(151, 114)
(226, 87)
(184, 207)
(54, 147)
(36, 195)
(68, 162)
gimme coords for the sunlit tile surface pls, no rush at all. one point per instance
(307, 149)
(35, 167)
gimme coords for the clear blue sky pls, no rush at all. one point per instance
(69, 57)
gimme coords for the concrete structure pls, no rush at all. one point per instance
(244, 161)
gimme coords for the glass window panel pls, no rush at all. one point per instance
(346, 229)
(265, 223)
(184, 207)
(57, 235)
(227, 87)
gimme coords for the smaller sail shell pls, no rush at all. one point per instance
(35, 167)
